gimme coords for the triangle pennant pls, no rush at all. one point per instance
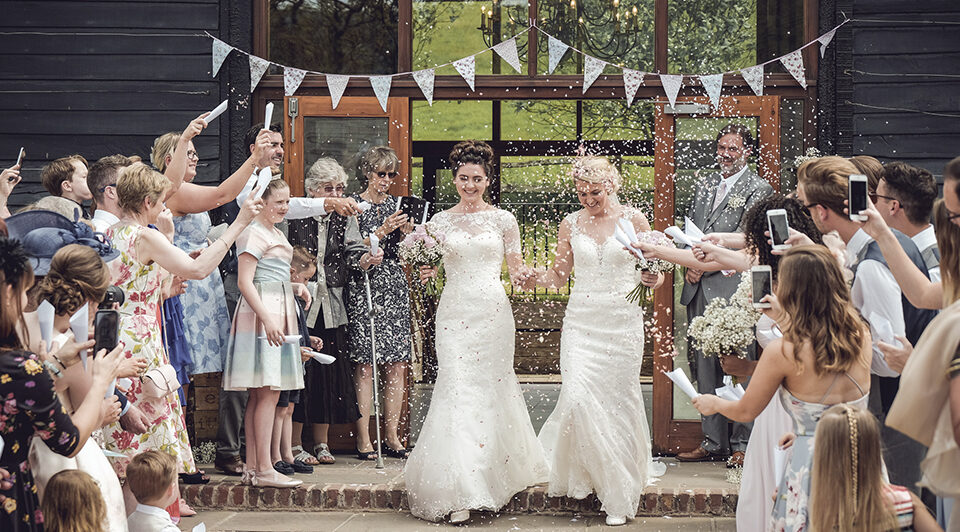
(793, 62)
(671, 85)
(337, 84)
(713, 84)
(292, 78)
(632, 79)
(556, 49)
(592, 68)
(508, 51)
(220, 52)
(754, 77)
(467, 67)
(825, 41)
(257, 67)
(381, 87)
(424, 79)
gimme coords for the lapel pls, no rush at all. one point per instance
(706, 200)
(738, 187)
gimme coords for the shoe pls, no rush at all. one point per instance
(299, 454)
(736, 459)
(246, 477)
(616, 520)
(272, 479)
(322, 451)
(401, 453)
(459, 516)
(366, 455)
(283, 468)
(299, 466)
(232, 465)
(699, 455)
(194, 478)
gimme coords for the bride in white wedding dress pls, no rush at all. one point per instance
(597, 438)
(477, 447)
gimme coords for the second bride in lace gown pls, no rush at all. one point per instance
(597, 438)
(477, 447)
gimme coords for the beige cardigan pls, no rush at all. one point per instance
(921, 409)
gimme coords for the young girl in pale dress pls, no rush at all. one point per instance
(260, 358)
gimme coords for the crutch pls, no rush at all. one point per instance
(373, 365)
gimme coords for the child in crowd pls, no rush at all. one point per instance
(261, 356)
(848, 488)
(73, 503)
(152, 478)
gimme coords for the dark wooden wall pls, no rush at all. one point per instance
(69, 85)
(896, 53)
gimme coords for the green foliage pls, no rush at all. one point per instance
(707, 36)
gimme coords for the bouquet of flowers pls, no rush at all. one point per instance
(641, 292)
(423, 247)
(726, 327)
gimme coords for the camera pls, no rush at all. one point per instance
(114, 295)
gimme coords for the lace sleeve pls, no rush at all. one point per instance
(511, 234)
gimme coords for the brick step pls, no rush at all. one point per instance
(231, 495)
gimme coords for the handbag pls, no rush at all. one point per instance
(159, 382)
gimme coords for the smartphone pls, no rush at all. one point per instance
(779, 228)
(20, 157)
(762, 281)
(857, 196)
(106, 330)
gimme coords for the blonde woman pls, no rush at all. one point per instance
(597, 438)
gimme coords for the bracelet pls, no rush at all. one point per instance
(52, 369)
(55, 357)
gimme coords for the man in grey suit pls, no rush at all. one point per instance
(718, 206)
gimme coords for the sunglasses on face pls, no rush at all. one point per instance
(391, 175)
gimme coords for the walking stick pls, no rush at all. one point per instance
(376, 379)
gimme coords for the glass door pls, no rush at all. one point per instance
(685, 153)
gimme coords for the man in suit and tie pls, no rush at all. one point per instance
(718, 206)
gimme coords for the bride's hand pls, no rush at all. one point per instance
(650, 279)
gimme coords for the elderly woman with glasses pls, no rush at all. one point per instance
(388, 287)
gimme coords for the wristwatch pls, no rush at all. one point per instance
(52, 368)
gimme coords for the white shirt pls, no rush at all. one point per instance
(876, 294)
(150, 519)
(299, 207)
(102, 220)
(926, 239)
(729, 182)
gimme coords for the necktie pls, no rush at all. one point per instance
(721, 192)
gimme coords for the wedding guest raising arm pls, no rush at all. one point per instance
(8, 179)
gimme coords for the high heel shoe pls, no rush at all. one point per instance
(246, 478)
(459, 516)
(272, 479)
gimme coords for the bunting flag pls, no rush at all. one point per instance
(292, 78)
(508, 51)
(556, 49)
(754, 77)
(712, 84)
(424, 79)
(592, 68)
(825, 41)
(220, 52)
(467, 67)
(381, 87)
(671, 85)
(632, 79)
(337, 84)
(793, 62)
(257, 68)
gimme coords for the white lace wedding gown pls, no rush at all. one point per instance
(477, 447)
(597, 438)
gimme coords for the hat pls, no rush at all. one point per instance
(43, 233)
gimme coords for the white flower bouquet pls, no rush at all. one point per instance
(423, 247)
(641, 292)
(726, 327)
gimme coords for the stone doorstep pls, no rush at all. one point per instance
(231, 495)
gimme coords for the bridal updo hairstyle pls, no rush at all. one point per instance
(472, 152)
(599, 170)
(77, 275)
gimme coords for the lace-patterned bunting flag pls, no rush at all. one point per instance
(292, 78)
(793, 62)
(220, 52)
(592, 68)
(507, 50)
(467, 67)
(712, 83)
(257, 67)
(556, 49)
(381, 87)
(337, 84)
(825, 41)
(424, 79)
(671, 85)
(754, 77)
(632, 79)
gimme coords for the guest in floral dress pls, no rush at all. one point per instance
(144, 255)
(391, 298)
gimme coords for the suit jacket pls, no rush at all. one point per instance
(725, 219)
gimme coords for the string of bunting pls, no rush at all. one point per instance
(507, 50)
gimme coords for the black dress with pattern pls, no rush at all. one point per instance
(29, 408)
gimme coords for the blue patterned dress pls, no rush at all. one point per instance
(206, 320)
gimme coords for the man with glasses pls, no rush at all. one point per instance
(102, 182)
(904, 198)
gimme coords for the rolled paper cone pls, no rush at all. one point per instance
(80, 325)
(682, 381)
(364, 206)
(200, 528)
(426, 209)
(124, 384)
(628, 229)
(677, 235)
(217, 111)
(693, 232)
(267, 115)
(322, 358)
(779, 463)
(45, 314)
(110, 389)
(263, 179)
(287, 338)
(374, 244)
(1, 444)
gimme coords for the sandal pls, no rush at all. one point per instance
(366, 455)
(283, 468)
(194, 478)
(396, 453)
(323, 454)
(300, 467)
(300, 455)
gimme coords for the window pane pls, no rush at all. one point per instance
(345, 140)
(335, 36)
(445, 31)
(613, 120)
(452, 120)
(791, 142)
(617, 31)
(538, 120)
